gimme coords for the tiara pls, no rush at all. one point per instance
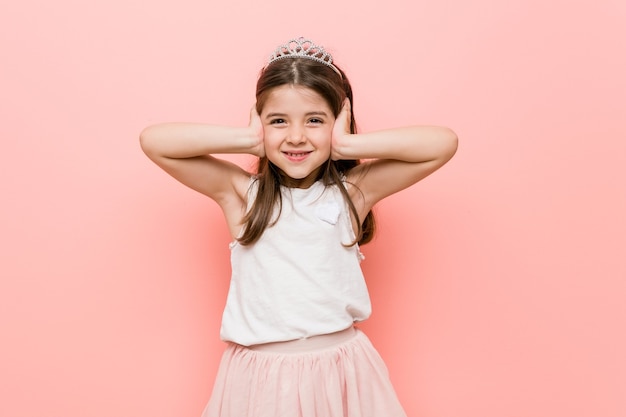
(303, 48)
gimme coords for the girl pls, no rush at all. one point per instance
(296, 288)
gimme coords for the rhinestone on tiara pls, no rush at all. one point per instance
(303, 48)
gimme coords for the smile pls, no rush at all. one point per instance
(296, 156)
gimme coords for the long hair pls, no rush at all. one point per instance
(334, 88)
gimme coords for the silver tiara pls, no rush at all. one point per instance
(303, 48)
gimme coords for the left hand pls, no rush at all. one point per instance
(340, 130)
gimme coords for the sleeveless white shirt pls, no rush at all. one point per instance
(298, 280)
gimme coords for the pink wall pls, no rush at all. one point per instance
(498, 283)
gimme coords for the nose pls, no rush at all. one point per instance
(296, 135)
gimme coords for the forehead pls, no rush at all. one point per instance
(293, 97)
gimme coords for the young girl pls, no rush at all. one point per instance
(297, 288)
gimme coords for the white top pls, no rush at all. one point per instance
(297, 280)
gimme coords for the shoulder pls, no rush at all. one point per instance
(234, 205)
(245, 186)
(352, 180)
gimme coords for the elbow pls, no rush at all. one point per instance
(450, 144)
(454, 142)
(146, 141)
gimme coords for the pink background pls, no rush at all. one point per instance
(498, 283)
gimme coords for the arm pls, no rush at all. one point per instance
(184, 150)
(398, 158)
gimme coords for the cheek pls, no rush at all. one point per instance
(271, 137)
(324, 138)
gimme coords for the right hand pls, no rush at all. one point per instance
(256, 126)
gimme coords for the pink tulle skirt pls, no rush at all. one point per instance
(338, 375)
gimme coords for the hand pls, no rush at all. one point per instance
(256, 127)
(340, 130)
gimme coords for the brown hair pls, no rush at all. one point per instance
(334, 88)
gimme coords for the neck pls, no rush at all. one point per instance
(305, 182)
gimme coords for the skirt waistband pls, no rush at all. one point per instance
(308, 344)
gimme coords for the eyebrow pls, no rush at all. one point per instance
(311, 113)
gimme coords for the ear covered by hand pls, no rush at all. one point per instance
(256, 128)
(340, 130)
